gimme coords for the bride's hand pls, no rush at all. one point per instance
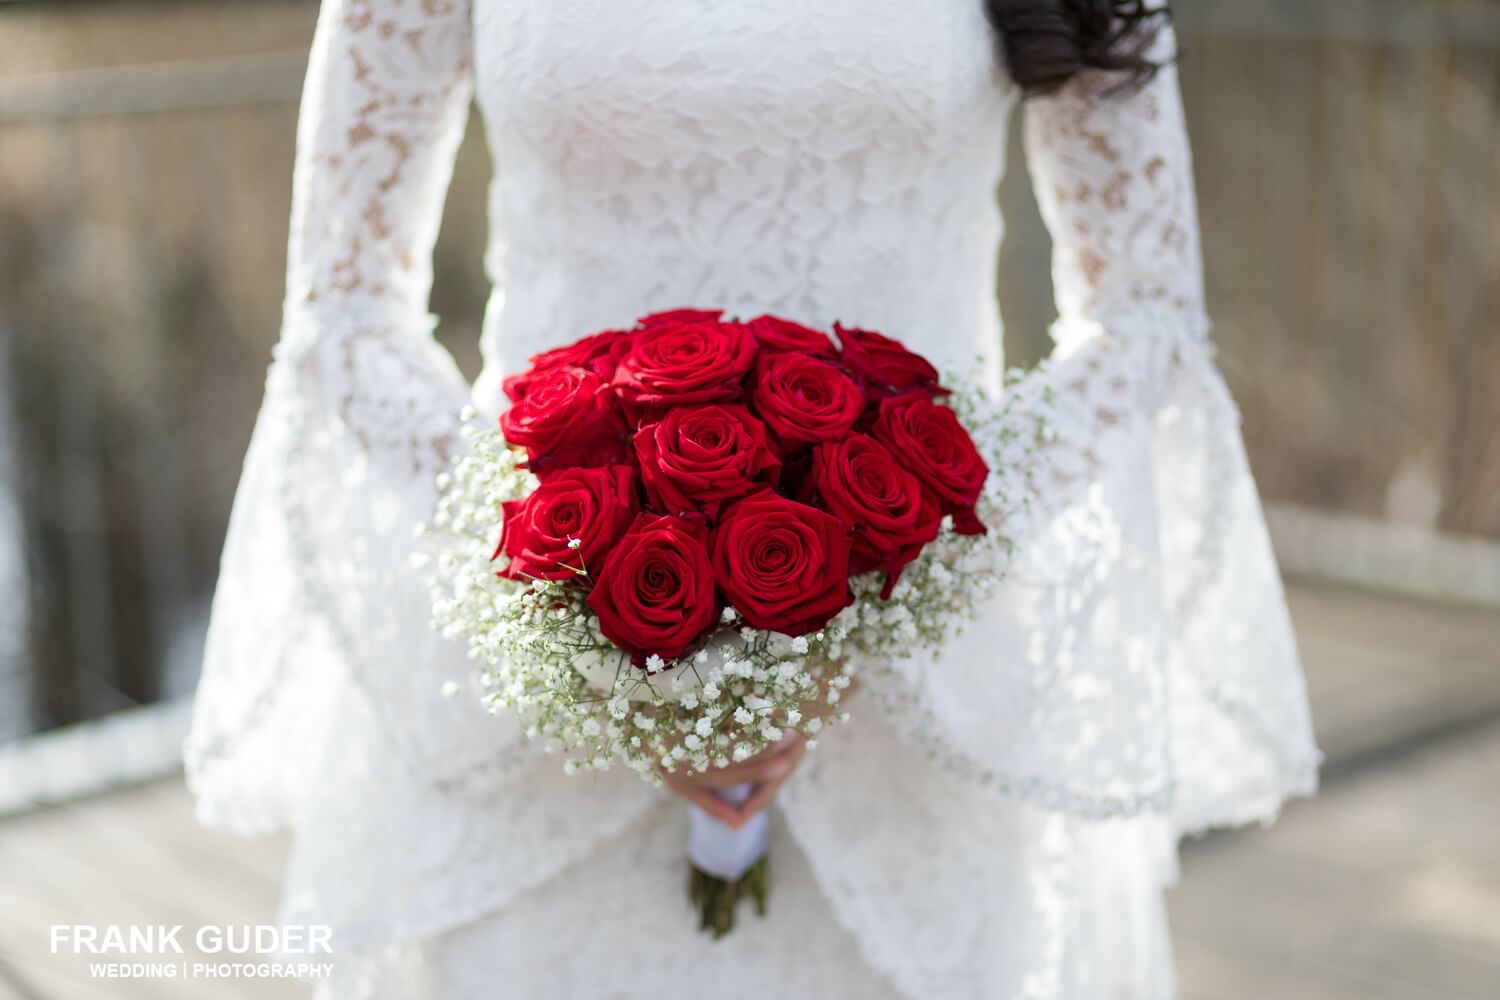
(767, 771)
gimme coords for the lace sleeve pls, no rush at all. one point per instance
(317, 602)
(1112, 173)
(383, 112)
(1138, 653)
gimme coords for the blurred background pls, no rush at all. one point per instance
(1348, 163)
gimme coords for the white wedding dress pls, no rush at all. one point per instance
(998, 822)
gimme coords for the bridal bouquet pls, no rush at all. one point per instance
(680, 535)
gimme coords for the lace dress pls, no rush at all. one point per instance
(997, 822)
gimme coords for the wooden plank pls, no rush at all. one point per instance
(136, 857)
(1353, 893)
(1471, 473)
(1394, 23)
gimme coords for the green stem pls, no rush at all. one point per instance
(715, 898)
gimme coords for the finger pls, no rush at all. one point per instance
(743, 774)
(704, 798)
(750, 768)
(766, 791)
(774, 774)
(763, 791)
(789, 741)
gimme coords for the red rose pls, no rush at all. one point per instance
(680, 363)
(599, 352)
(776, 334)
(676, 316)
(655, 593)
(704, 455)
(803, 400)
(860, 482)
(885, 365)
(928, 437)
(590, 506)
(783, 565)
(597, 454)
(565, 416)
(515, 386)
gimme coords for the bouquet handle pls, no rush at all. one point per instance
(727, 863)
(724, 852)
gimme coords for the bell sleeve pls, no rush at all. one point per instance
(317, 606)
(1138, 655)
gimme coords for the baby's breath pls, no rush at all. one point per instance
(542, 655)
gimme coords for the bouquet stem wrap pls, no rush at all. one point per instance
(724, 852)
(727, 865)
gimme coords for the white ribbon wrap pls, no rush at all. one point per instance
(724, 852)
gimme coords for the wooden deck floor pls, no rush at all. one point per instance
(1386, 887)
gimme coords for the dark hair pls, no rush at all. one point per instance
(1048, 42)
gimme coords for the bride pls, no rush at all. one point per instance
(999, 822)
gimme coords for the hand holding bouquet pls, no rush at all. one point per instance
(681, 533)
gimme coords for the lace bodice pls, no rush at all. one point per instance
(827, 161)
